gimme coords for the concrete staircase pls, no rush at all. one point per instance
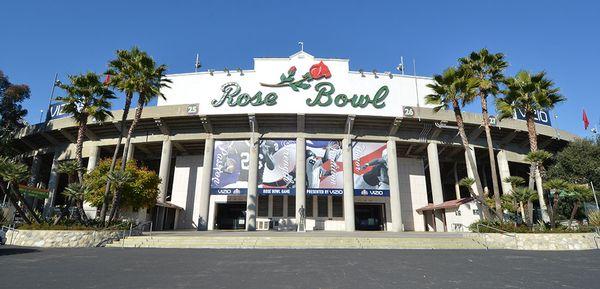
(297, 242)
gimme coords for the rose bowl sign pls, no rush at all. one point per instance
(298, 84)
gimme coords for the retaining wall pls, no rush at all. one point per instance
(57, 238)
(565, 241)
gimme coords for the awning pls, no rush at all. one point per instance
(445, 205)
(33, 192)
(168, 205)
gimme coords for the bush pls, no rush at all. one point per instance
(74, 225)
(511, 227)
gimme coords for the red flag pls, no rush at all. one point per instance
(107, 79)
(586, 122)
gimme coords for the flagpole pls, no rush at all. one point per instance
(51, 96)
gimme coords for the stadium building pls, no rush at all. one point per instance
(297, 143)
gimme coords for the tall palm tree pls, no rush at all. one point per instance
(455, 88)
(530, 93)
(488, 70)
(125, 75)
(75, 193)
(152, 80)
(86, 98)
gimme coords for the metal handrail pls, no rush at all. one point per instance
(501, 232)
(11, 228)
(125, 233)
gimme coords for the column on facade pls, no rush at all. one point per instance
(164, 169)
(94, 155)
(396, 210)
(36, 163)
(204, 197)
(436, 183)
(252, 197)
(131, 151)
(52, 185)
(348, 185)
(472, 171)
(456, 182)
(300, 179)
(504, 172)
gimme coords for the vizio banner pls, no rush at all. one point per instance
(231, 159)
(277, 167)
(324, 169)
(370, 168)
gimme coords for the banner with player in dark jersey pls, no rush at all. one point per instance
(324, 169)
(277, 167)
(231, 159)
(370, 168)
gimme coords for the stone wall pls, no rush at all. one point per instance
(57, 238)
(583, 241)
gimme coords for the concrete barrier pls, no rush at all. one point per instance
(57, 238)
(543, 242)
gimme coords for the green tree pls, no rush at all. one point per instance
(74, 193)
(480, 199)
(138, 186)
(454, 88)
(86, 97)
(152, 78)
(487, 69)
(578, 162)
(12, 113)
(529, 94)
(11, 174)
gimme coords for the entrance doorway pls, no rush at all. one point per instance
(231, 216)
(369, 217)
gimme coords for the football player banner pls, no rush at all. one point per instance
(370, 168)
(324, 169)
(231, 159)
(277, 167)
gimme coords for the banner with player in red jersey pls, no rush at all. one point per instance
(370, 168)
(324, 169)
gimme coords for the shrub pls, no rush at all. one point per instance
(594, 218)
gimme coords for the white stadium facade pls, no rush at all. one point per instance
(297, 143)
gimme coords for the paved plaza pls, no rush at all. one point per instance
(197, 268)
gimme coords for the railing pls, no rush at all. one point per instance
(10, 228)
(498, 230)
(133, 230)
(596, 237)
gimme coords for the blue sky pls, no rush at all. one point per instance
(40, 38)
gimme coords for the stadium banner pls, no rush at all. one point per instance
(324, 169)
(231, 159)
(55, 111)
(370, 168)
(541, 116)
(277, 167)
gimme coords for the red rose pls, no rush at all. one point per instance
(292, 70)
(319, 71)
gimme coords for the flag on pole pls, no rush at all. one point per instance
(107, 79)
(586, 122)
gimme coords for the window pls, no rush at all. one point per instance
(263, 206)
(277, 206)
(291, 206)
(322, 206)
(338, 206)
(309, 206)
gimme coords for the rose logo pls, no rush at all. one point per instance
(317, 71)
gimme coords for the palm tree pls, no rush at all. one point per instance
(71, 169)
(555, 186)
(468, 183)
(75, 192)
(119, 179)
(151, 80)
(125, 76)
(487, 69)
(529, 94)
(453, 88)
(86, 97)
(525, 197)
(11, 174)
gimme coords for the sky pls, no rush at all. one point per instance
(41, 38)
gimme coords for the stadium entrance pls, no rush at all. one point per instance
(230, 216)
(369, 216)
